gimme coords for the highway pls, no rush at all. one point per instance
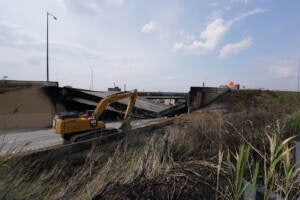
(14, 141)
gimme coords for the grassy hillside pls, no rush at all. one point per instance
(198, 157)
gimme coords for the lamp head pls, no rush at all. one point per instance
(55, 18)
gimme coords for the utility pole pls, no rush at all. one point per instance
(48, 43)
(298, 74)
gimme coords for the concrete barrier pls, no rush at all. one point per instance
(199, 97)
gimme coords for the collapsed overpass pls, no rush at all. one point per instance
(78, 99)
(33, 104)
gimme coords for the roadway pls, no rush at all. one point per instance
(13, 141)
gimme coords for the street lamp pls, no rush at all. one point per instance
(48, 43)
(92, 76)
(298, 74)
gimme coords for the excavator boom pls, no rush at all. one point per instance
(102, 105)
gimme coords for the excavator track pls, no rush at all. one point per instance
(90, 135)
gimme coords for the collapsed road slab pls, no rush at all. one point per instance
(78, 99)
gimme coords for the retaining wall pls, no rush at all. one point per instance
(25, 104)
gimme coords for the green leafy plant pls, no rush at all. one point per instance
(239, 170)
(277, 155)
(290, 179)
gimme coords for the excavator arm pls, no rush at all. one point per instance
(102, 105)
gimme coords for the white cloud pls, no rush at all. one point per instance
(247, 14)
(169, 77)
(115, 2)
(66, 58)
(61, 3)
(180, 32)
(88, 5)
(215, 4)
(239, 1)
(282, 69)
(15, 36)
(149, 27)
(234, 48)
(215, 14)
(190, 37)
(212, 35)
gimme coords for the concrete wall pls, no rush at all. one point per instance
(199, 97)
(25, 105)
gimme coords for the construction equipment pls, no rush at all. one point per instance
(74, 126)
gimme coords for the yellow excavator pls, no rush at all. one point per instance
(74, 126)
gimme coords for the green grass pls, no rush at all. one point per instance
(293, 123)
(274, 101)
(9, 87)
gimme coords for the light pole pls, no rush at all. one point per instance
(298, 74)
(48, 43)
(92, 81)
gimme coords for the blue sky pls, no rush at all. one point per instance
(153, 45)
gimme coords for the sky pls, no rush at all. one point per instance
(152, 45)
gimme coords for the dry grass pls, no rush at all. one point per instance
(181, 161)
(129, 161)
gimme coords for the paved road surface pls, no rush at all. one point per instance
(23, 140)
